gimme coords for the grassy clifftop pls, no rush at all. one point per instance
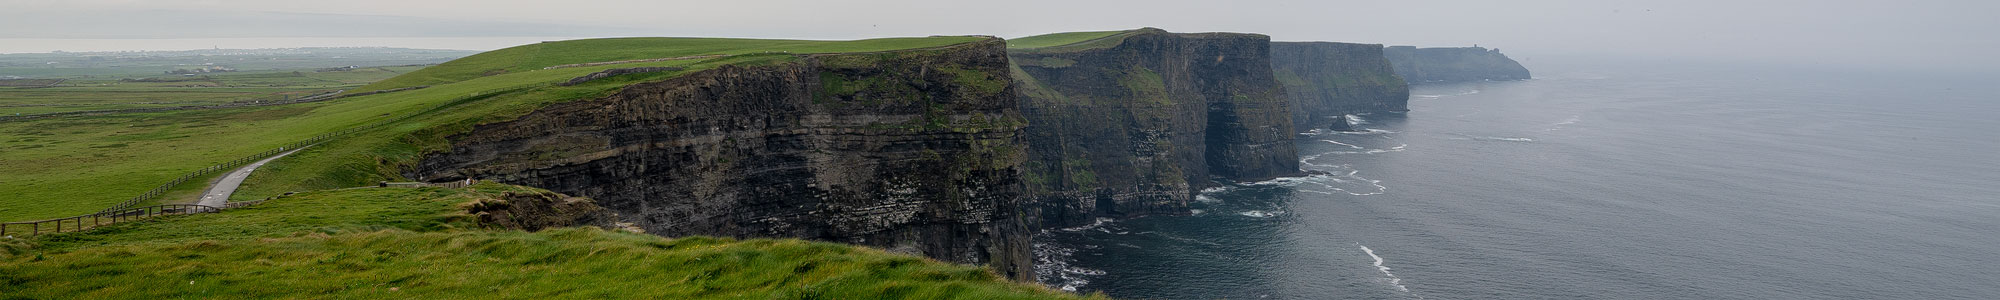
(1069, 42)
(547, 54)
(1059, 39)
(421, 243)
(122, 155)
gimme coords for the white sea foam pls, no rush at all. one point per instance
(1215, 189)
(1367, 131)
(1261, 214)
(1096, 224)
(1204, 198)
(1447, 95)
(1571, 120)
(1054, 265)
(1316, 192)
(1345, 179)
(1356, 120)
(1393, 280)
(1468, 137)
(1343, 144)
(1565, 122)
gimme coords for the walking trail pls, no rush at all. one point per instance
(218, 193)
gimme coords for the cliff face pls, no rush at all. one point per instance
(1330, 80)
(914, 151)
(1133, 124)
(1422, 65)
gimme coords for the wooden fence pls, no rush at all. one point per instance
(232, 164)
(84, 222)
(125, 212)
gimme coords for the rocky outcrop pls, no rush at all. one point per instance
(1437, 65)
(916, 151)
(1135, 123)
(534, 210)
(1327, 81)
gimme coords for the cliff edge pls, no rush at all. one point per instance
(1133, 123)
(1438, 65)
(915, 151)
(1328, 80)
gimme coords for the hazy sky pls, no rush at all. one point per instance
(1958, 34)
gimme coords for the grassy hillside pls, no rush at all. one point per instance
(174, 90)
(1058, 39)
(418, 243)
(533, 57)
(75, 165)
(1073, 41)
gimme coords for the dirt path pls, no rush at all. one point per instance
(218, 192)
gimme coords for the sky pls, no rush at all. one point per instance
(1903, 34)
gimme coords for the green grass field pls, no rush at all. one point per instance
(75, 165)
(172, 91)
(407, 243)
(1058, 39)
(533, 57)
(418, 243)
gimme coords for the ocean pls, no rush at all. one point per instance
(1600, 179)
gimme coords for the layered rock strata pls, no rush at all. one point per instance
(1327, 81)
(1136, 123)
(915, 151)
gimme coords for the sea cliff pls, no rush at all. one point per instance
(916, 151)
(1327, 81)
(1134, 123)
(1438, 65)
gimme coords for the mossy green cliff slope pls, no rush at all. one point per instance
(1133, 123)
(1327, 80)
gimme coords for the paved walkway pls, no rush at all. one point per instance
(218, 193)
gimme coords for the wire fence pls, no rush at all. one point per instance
(86, 222)
(125, 211)
(156, 192)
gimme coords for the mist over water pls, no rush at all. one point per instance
(1601, 180)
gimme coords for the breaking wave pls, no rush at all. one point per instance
(1261, 214)
(1054, 265)
(1394, 281)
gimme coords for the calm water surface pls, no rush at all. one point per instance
(1665, 181)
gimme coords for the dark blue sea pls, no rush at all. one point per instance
(1619, 179)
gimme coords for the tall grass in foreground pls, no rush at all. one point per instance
(418, 243)
(565, 263)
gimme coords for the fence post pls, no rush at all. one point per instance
(38, 229)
